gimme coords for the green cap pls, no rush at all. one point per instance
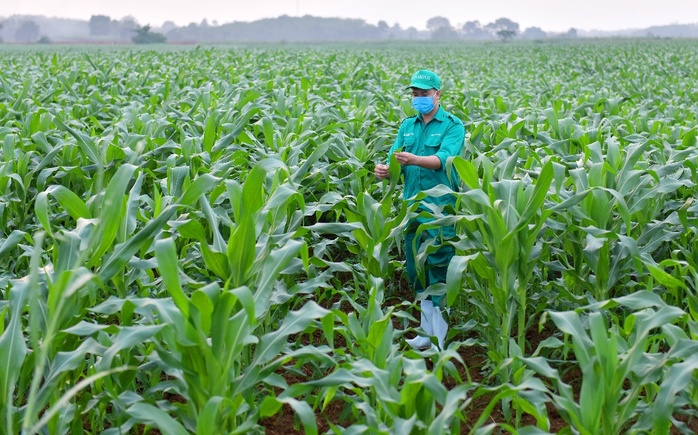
(425, 79)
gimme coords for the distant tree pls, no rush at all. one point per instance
(192, 32)
(506, 35)
(0, 36)
(44, 40)
(471, 27)
(392, 32)
(473, 30)
(126, 27)
(440, 28)
(572, 33)
(437, 22)
(167, 26)
(534, 33)
(502, 24)
(145, 36)
(100, 25)
(383, 29)
(27, 32)
(445, 33)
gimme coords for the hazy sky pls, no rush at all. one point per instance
(550, 15)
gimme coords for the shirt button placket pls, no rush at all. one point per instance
(420, 151)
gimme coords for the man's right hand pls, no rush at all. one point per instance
(381, 171)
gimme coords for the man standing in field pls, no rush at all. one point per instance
(423, 144)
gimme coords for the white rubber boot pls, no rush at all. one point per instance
(439, 326)
(422, 342)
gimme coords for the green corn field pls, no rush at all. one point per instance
(192, 240)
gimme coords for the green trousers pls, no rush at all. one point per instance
(436, 264)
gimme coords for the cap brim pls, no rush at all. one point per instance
(420, 86)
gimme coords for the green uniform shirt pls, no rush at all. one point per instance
(442, 137)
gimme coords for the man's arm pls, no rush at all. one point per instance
(451, 145)
(427, 162)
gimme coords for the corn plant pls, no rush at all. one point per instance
(192, 240)
(612, 357)
(505, 218)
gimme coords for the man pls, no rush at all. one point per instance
(424, 142)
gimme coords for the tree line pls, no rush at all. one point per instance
(104, 29)
(100, 28)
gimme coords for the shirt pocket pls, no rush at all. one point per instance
(408, 144)
(432, 145)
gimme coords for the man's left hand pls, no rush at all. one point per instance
(405, 158)
(426, 162)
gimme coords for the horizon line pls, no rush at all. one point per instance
(209, 21)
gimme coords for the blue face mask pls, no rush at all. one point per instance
(423, 105)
